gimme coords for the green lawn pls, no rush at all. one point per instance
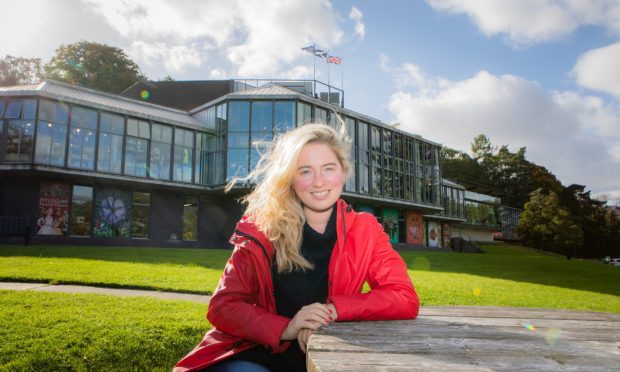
(71, 332)
(53, 331)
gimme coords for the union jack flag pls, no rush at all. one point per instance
(334, 60)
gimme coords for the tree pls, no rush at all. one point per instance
(546, 225)
(19, 71)
(93, 65)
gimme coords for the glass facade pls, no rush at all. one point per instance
(51, 146)
(81, 210)
(386, 163)
(140, 214)
(482, 210)
(190, 218)
(161, 147)
(82, 138)
(19, 137)
(110, 154)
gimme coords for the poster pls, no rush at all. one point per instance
(390, 223)
(433, 234)
(112, 213)
(53, 208)
(446, 235)
(414, 228)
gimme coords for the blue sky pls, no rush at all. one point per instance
(535, 73)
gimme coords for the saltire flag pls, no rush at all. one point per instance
(334, 60)
(317, 52)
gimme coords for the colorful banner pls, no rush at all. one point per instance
(112, 213)
(446, 235)
(433, 234)
(414, 228)
(53, 208)
(390, 223)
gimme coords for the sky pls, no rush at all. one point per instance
(540, 74)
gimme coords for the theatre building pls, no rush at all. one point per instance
(148, 167)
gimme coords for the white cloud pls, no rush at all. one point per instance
(259, 38)
(576, 137)
(358, 17)
(525, 22)
(598, 69)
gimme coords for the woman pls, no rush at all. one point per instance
(300, 260)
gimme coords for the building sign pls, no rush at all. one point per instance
(414, 228)
(390, 223)
(446, 235)
(53, 208)
(112, 213)
(433, 234)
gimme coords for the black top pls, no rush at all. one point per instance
(298, 288)
(293, 290)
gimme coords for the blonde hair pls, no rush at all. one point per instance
(272, 204)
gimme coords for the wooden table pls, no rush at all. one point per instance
(472, 339)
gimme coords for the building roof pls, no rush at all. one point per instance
(479, 188)
(271, 89)
(455, 185)
(183, 95)
(93, 98)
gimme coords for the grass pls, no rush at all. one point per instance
(58, 331)
(179, 270)
(514, 276)
(55, 331)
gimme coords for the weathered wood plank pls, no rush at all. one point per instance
(479, 338)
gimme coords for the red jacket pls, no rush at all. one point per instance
(243, 309)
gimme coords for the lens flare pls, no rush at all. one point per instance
(477, 292)
(529, 326)
(145, 94)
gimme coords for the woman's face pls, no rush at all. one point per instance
(319, 177)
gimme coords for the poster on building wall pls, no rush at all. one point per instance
(112, 213)
(53, 208)
(433, 234)
(446, 235)
(414, 228)
(390, 223)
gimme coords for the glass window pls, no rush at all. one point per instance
(350, 128)
(51, 133)
(81, 210)
(110, 153)
(262, 116)
(137, 147)
(183, 155)
(135, 156)
(239, 116)
(21, 109)
(82, 138)
(304, 113)
(320, 115)
(20, 131)
(190, 218)
(161, 146)
(284, 116)
(238, 161)
(363, 157)
(140, 215)
(50, 147)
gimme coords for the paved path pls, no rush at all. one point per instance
(46, 287)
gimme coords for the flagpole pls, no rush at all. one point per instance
(342, 81)
(314, 72)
